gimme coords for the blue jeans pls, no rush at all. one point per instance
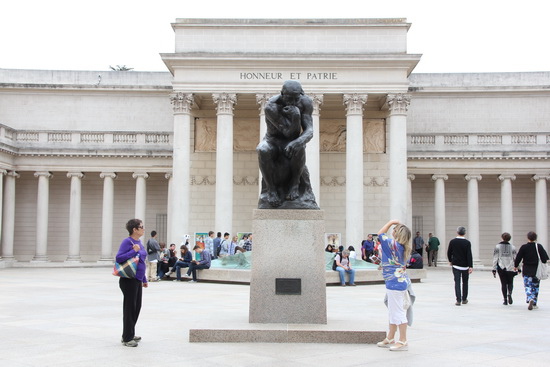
(178, 265)
(341, 272)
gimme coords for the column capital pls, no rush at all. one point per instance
(168, 175)
(440, 177)
(540, 177)
(75, 174)
(398, 104)
(108, 174)
(354, 103)
(317, 102)
(3, 172)
(13, 174)
(506, 177)
(225, 103)
(411, 177)
(182, 102)
(469, 177)
(261, 99)
(43, 174)
(144, 175)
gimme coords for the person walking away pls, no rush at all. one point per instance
(531, 253)
(504, 256)
(433, 249)
(459, 255)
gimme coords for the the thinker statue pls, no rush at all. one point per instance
(282, 152)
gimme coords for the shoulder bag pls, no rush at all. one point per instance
(126, 269)
(542, 268)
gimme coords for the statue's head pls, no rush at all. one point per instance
(291, 92)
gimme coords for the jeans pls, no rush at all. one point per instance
(465, 275)
(178, 266)
(193, 269)
(341, 272)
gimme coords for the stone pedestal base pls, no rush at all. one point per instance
(289, 249)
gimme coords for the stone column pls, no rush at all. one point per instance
(262, 99)
(439, 212)
(168, 176)
(75, 206)
(225, 103)
(8, 216)
(354, 167)
(541, 210)
(42, 206)
(313, 159)
(141, 194)
(181, 166)
(107, 217)
(472, 231)
(410, 179)
(2, 173)
(397, 121)
(506, 207)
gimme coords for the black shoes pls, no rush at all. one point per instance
(510, 300)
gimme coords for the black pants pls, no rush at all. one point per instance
(131, 289)
(193, 270)
(506, 281)
(420, 251)
(464, 275)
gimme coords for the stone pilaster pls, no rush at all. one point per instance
(313, 158)
(181, 166)
(75, 207)
(8, 216)
(410, 179)
(225, 103)
(354, 167)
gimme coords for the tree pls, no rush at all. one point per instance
(120, 68)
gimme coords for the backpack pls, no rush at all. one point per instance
(150, 250)
(334, 261)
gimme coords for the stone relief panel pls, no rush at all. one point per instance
(246, 134)
(332, 136)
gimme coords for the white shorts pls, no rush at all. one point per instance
(398, 314)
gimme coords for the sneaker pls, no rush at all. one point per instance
(399, 346)
(136, 339)
(530, 307)
(465, 302)
(352, 285)
(192, 281)
(457, 303)
(186, 276)
(176, 280)
(386, 343)
(131, 343)
(535, 307)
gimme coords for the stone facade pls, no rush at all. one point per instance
(177, 148)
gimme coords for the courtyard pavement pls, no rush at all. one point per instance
(73, 317)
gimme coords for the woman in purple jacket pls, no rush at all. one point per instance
(131, 288)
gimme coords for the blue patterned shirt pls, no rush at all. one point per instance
(393, 264)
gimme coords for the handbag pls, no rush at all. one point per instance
(542, 268)
(126, 269)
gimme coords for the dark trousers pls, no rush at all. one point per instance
(432, 257)
(131, 289)
(420, 251)
(506, 281)
(464, 275)
(193, 269)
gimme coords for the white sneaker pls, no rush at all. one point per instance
(192, 281)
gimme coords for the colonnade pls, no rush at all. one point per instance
(506, 219)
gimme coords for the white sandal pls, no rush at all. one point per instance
(399, 346)
(385, 343)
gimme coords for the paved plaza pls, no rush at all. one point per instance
(73, 317)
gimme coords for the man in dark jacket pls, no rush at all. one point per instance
(459, 254)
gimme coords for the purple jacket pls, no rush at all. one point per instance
(126, 251)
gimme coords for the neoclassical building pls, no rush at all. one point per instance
(81, 152)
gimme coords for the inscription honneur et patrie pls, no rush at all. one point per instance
(286, 76)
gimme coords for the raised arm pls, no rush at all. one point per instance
(387, 226)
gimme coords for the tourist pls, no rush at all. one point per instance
(416, 261)
(433, 248)
(233, 245)
(459, 255)
(418, 243)
(224, 245)
(217, 241)
(184, 261)
(203, 263)
(163, 268)
(132, 288)
(395, 253)
(352, 253)
(209, 243)
(531, 253)
(343, 266)
(503, 263)
(367, 248)
(329, 248)
(153, 257)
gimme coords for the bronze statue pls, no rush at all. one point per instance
(282, 152)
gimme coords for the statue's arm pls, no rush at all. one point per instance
(307, 121)
(273, 115)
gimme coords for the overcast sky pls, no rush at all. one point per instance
(452, 36)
